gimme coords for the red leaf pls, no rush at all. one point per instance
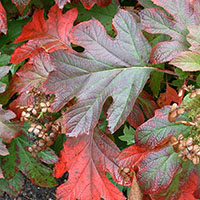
(131, 156)
(137, 115)
(113, 67)
(21, 4)
(50, 35)
(3, 20)
(156, 20)
(87, 158)
(32, 74)
(168, 97)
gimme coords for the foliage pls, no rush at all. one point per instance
(101, 82)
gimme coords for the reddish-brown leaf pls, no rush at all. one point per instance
(51, 34)
(144, 106)
(21, 4)
(3, 20)
(87, 158)
(168, 97)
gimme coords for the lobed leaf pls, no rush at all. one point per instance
(87, 158)
(156, 20)
(50, 35)
(97, 73)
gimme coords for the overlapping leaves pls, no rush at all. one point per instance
(190, 60)
(161, 173)
(182, 14)
(107, 67)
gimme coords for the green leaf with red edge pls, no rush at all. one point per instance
(107, 67)
(51, 34)
(10, 160)
(38, 173)
(158, 130)
(184, 185)
(87, 158)
(21, 4)
(3, 20)
(155, 20)
(13, 186)
(157, 169)
(144, 106)
(30, 75)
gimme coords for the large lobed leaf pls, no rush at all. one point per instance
(156, 20)
(51, 34)
(87, 158)
(3, 20)
(107, 67)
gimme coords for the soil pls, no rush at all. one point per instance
(34, 192)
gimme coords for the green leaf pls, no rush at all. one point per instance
(38, 174)
(13, 186)
(158, 130)
(187, 61)
(9, 163)
(156, 78)
(4, 59)
(104, 15)
(128, 135)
